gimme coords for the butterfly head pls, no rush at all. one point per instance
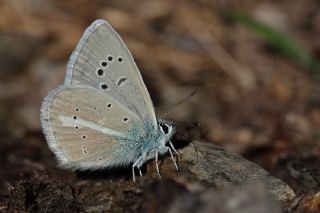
(166, 130)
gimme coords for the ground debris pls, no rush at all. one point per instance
(172, 197)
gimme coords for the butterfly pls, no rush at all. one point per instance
(103, 116)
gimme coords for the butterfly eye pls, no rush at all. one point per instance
(164, 128)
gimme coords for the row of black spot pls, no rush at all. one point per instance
(104, 86)
(125, 119)
(105, 64)
(84, 150)
(109, 105)
(77, 110)
(100, 71)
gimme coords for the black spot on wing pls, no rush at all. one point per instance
(104, 86)
(121, 81)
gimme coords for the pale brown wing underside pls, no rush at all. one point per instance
(102, 60)
(87, 129)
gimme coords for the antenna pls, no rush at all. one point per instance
(180, 102)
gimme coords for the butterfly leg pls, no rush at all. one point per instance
(133, 174)
(172, 158)
(135, 165)
(172, 147)
(157, 162)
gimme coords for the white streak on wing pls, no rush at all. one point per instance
(70, 122)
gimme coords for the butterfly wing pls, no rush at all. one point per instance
(102, 60)
(88, 129)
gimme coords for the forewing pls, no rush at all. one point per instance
(87, 129)
(102, 60)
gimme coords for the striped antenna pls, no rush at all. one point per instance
(180, 102)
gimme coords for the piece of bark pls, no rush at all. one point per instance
(171, 197)
(219, 168)
(309, 203)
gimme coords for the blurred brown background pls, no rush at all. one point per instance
(257, 95)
